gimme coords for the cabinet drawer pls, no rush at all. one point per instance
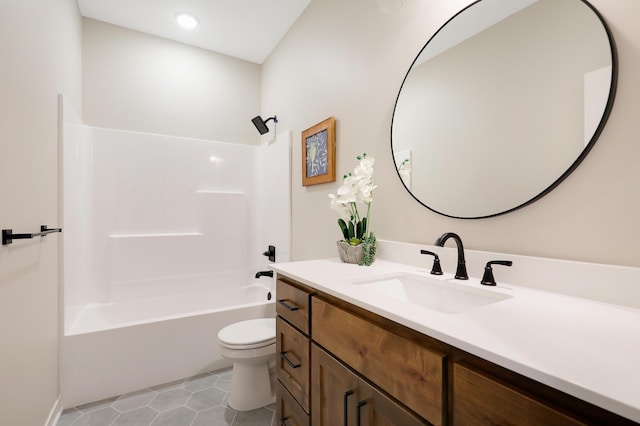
(480, 400)
(293, 305)
(288, 411)
(404, 369)
(292, 351)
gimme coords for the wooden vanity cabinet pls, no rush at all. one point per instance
(292, 353)
(341, 397)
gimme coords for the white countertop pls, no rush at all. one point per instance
(586, 348)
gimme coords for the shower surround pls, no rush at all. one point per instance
(163, 236)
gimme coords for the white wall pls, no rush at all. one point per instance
(348, 59)
(40, 56)
(134, 81)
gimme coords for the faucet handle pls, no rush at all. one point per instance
(487, 278)
(436, 269)
(270, 253)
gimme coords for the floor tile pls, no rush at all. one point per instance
(176, 417)
(224, 382)
(170, 399)
(259, 417)
(101, 417)
(216, 416)
(68, 417)
(206, 399)
(134, 400)
(136, 417)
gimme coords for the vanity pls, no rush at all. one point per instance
(364, 346)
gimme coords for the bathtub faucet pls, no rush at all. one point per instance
(264, 274)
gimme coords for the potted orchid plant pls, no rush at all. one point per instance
(359, 243)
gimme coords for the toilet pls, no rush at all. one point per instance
(252, 347)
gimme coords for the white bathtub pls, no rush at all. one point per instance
(115, 348)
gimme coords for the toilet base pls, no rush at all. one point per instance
(251, 386)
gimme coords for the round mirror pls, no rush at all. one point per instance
(502, 104)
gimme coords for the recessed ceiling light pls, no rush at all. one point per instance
(186, 20)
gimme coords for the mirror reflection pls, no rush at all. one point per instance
(501, 104)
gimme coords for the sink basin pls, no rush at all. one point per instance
(439, 295)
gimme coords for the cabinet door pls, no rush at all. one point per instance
(480, 400)
(334, 391)
(375, 409)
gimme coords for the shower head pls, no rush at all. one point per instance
(261, 124)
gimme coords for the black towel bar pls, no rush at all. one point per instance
(8, 236)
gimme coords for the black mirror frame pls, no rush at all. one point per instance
(579, 159)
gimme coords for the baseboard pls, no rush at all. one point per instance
(54, 415)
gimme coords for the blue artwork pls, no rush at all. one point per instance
(317, 155)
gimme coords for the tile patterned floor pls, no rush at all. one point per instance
(195, 401)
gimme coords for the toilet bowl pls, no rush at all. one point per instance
(251, 345)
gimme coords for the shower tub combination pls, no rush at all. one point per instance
(163, 238)
(115, 348)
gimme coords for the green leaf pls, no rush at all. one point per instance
(352, 232)
(343, 228)
(359, 230)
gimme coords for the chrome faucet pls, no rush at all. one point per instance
(461, 271)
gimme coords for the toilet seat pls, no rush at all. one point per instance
(250, 334)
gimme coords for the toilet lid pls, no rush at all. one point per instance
(251, 332)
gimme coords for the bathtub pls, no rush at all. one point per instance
(119, 347)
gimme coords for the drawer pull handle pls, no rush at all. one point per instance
(347, 394)
(286, 305)
(359, 406)
(284, 356)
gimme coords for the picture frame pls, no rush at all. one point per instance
(319, 153)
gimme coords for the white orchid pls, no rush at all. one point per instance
(340, 207)
(356, 188)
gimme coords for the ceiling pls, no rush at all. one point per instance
(245, 29)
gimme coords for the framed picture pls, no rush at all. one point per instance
(319, 153)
